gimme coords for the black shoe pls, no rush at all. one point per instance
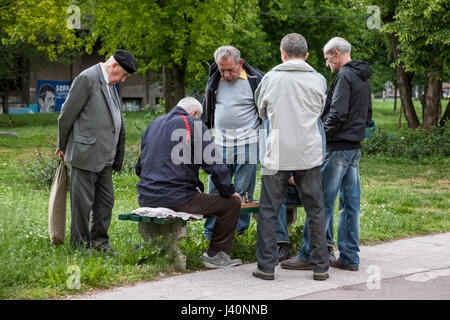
(284, 251)
(320, 276)
(263, 275)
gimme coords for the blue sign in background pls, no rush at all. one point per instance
(59, 89)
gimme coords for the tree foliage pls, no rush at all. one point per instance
(177, 38)
(41, 23)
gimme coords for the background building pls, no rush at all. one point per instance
(46, 85)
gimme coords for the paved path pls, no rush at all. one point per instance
(414, 268)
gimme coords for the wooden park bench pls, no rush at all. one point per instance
(173, 229)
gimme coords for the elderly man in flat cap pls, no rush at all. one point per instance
(91, 138)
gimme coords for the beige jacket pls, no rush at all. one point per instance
(292, 97)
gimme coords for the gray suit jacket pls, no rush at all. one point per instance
(85, 126)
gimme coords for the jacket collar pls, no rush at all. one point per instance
(214, 75)
(104, 86)
(178, 110)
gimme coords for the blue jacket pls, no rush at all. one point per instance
(172, 152)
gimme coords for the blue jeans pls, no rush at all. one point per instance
(291, 197)
(282, 230)
(242, 163)
(340, 173)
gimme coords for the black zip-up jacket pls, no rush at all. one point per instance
(166, 178)
(348, 107)
(209, 102)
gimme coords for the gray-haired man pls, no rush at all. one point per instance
(229, 106)
(292, 96)
(91, 138)
(176, 185)
(348, 109)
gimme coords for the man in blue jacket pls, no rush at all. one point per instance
(173, 148)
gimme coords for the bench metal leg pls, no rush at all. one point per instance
(171, 233)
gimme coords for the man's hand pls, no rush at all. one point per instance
(237, 196)
(291, 181)
(60, 154)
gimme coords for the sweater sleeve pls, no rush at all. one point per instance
(211, 163)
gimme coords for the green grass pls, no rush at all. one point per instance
(400, 198)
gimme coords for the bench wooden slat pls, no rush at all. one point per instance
(138, 218)
(246, 208)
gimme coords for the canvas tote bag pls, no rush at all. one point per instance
(57, 205)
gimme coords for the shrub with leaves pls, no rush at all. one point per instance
(418, 144)
(41, 169)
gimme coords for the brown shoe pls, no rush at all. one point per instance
(338, 264)
(296, 263)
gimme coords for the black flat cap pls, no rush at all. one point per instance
(126, 60)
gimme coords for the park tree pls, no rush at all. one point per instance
(31, 32)
(419, 37)
(9, 56)
(175, 38)
(319, 21)
(422, 27)
(43, 24)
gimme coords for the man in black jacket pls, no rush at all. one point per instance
(229, 107)
(347, 112)
(173, 148)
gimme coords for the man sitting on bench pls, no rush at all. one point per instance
(173, 148)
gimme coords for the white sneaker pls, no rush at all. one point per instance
(220, 260)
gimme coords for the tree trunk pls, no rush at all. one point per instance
(423, 98)
(395, 96)
(5, 98)
(173, 85)
(404, 86)
(446, 115)
(432, 99)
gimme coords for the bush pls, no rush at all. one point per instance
(130, 158)
(41, 169)
(418, 144)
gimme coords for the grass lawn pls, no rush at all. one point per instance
(400, 198)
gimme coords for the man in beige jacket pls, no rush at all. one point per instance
(292, 97)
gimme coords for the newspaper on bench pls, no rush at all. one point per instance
(163, 213)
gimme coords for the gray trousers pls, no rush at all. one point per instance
(91, 192)
(273, 190)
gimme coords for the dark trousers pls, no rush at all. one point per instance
(226, 211)
(92, 200)
(273, 191)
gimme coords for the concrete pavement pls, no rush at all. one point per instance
(401, 269)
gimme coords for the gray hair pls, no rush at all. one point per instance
(227, 51)
(339, 44)
(294, 45)
(190, 104)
